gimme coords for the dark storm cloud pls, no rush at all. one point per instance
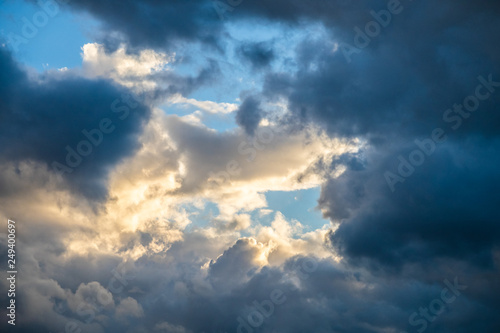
(446, 208)
(40, 119)
(405, 84)
(249, 115)
(155, 23)
(403, 81)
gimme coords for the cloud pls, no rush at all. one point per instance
(181, 163)
(379, 95)
(395, 91)
(168, 24)
(249, 115)
(181, 295)
(149, 74)
(208, 106)
(93, 293)
(45, 119)
(129, 307)
(259, 55)
(155, 24)
(125, 69)
(420, 221)
(168, 328)
(235, 264)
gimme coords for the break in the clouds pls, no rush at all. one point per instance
(163, 183)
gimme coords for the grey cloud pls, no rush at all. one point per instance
(446, 208)
(41, 119)
(314, 293)
(249, 115)
(259, 55)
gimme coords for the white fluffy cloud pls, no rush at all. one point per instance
(130, 70)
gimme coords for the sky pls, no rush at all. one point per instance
(213, 166)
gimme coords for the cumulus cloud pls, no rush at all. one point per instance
(129, 307)
(125, 69)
